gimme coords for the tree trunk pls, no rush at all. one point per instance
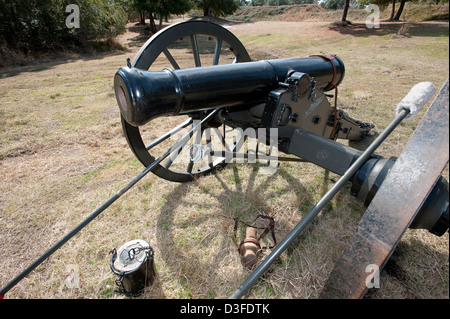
(400, 10)
(142, 17)
(152, 23)
(393, 11)
(344, 15)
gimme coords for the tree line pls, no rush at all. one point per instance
(397, 6)
(164, 8)
(383, 4)
(41, 25)
(275, 2)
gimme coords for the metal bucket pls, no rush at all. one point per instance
(134, 266)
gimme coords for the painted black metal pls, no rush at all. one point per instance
(369, 178)
(433, 215)
(158, 45)
(326, 153)
(151, 94)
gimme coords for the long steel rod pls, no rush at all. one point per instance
(164, 137)
(259, 156)
(148, 169)
(279, 249)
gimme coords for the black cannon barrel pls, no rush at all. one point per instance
(144, 95)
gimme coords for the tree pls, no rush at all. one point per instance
(392, 11)
(163, 8)
(338, 4)
(216, 7)
(400, 10)
(168, 7)
(333, 4)
(143, 6)
(384, 3)
(344, 14)
(39, 25)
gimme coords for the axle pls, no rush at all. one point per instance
(144, 95)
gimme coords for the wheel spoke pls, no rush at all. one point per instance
(195, 50)
(217, 52)
(196, 129)
(171, 59)
(230, 151)
(174, 155)
(197, 140)
(189, 168)
(209, 144)
(183, 141)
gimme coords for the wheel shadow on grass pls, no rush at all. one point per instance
(199, 248)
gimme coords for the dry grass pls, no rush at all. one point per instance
(62, 154)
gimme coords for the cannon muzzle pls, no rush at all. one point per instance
(144, 95)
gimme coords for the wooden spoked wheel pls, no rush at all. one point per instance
(190, 44)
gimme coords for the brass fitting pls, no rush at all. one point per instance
(249, 248)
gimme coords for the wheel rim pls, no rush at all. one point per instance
(183, 45)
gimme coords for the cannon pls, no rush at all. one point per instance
(288, 96)
(211, 107)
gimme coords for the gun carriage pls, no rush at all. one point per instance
(285, 104)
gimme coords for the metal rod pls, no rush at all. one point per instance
(262, 156)
(318, 207)
(149, 168)
(162, 138)
(174, 155)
